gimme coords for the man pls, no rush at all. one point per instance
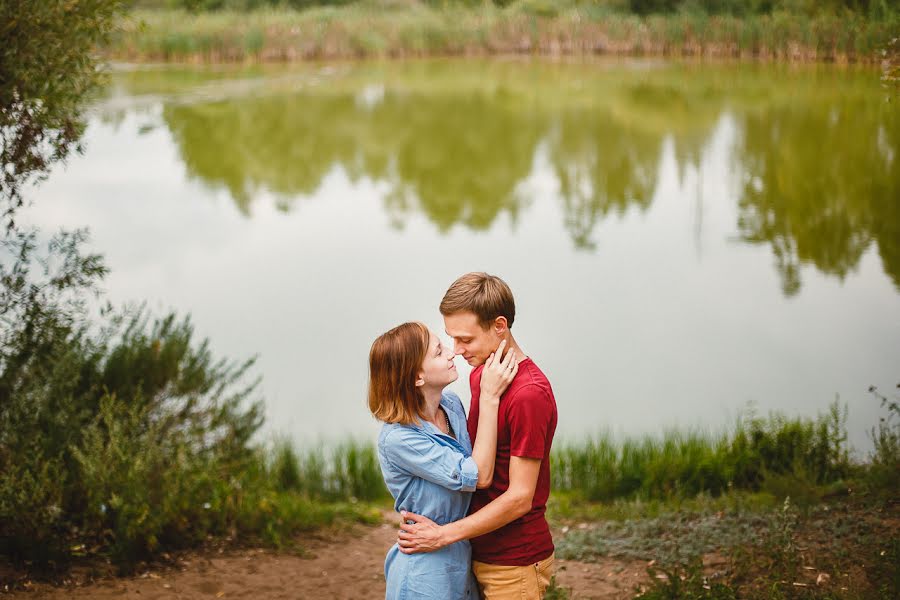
(512, 549)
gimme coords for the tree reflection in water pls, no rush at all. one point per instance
(817, 150)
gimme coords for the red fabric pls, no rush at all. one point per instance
(525, 427)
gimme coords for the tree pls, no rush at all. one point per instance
(47, 69)
(118, 431)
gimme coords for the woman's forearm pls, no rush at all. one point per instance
(484, 452)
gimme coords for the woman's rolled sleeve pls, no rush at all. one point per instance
(419, 455)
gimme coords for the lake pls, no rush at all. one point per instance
(685, 241)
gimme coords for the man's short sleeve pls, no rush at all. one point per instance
(529, 415)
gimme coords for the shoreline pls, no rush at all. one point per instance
(288, 36)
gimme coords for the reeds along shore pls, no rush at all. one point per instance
(281, 35)
(779, 455)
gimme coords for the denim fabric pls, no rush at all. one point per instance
(430, 474)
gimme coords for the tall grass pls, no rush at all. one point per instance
(758, 453)
(348, 471)
(775, 454)
(413, 30)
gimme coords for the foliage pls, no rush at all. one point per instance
(116, 436)
(886, 569)
(884, 473)
(130, 438)
(555, 592)
(686, 582)
(758, 454)
(890, 62)
(781, 544)
(526, 27)
(47, 68)
(671, 538)
(349, 471)
(724, 548)
(642, 7)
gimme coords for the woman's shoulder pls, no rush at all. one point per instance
(452, 400)
(398, 433)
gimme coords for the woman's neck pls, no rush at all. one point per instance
(432, 404)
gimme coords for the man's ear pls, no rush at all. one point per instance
(500, 326)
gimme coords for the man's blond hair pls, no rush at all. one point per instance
(486, 296)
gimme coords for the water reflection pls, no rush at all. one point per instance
(815, 157)
(822, 184)
(603, 165)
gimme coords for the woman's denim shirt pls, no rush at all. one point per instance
(431, 474)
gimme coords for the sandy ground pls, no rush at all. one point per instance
(345, 565)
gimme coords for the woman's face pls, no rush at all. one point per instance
(438, 369)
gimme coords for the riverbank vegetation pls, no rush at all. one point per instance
(268, 30)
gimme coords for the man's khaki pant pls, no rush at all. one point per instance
(498, 582)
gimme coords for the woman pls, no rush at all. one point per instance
(426, 456)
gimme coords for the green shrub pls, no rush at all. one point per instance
(31, 494)
(115, 434)
(146, 486)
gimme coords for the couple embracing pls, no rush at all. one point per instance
(472, 491)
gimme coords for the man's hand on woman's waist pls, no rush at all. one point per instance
(423, 535)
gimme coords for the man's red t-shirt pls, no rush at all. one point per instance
(525, 426)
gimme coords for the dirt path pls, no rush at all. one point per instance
(348, 565)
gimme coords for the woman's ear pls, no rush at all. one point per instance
(420, 379)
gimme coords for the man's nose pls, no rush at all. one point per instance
(457, 348)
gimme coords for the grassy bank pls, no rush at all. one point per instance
(524, 28)
(743, 545)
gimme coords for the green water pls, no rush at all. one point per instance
(682, 239)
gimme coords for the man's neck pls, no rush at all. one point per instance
(512, 345)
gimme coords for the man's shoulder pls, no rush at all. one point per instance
(531, 379)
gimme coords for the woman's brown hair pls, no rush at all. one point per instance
(394, 363)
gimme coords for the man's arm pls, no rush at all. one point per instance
(426, 536)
